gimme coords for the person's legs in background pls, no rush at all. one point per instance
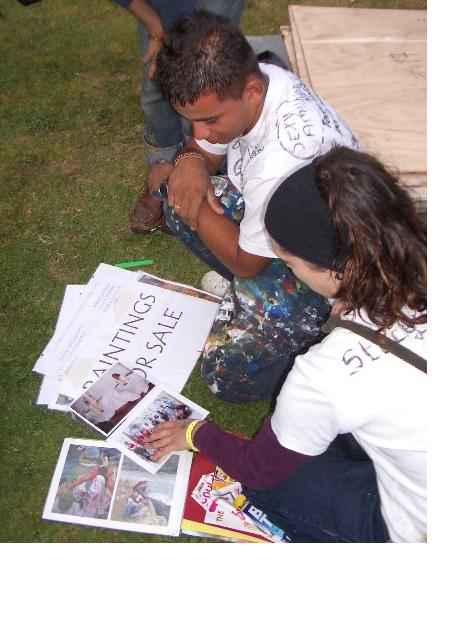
(231, 9)
(162, 126)
(163, 131)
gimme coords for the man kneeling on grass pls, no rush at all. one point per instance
(265, 124)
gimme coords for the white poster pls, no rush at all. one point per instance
(157, 328)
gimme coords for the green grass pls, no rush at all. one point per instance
(71, 166)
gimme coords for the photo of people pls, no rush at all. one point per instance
(97, 485)
(111, 398)
(163, 408)
(144, 498)
(87, 481)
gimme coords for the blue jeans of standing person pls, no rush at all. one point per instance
(163, 128)
(331, 498)
(262, 322)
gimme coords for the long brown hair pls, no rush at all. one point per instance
(381, 239)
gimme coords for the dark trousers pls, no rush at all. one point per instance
(331, 498)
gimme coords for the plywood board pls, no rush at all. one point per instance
(371, 66)
(286, 34)
(302, 67)
(330, 23)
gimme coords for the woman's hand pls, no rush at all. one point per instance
(167, 437)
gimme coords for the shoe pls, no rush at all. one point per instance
(147, 214)
(214, 283)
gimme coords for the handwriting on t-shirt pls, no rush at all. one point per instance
(365, 352)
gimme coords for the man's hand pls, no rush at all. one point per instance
(159, 173)
(188, 186)
(167, 437)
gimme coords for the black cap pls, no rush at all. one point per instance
(299, 220)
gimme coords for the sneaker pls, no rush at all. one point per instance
(147, 214)
(214, 283)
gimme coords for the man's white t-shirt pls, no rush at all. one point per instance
(346, 384)
(295, 126)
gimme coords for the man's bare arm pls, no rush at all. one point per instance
(221, 237)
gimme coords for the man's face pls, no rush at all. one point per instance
(219, 121)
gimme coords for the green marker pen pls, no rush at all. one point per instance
(133, 263)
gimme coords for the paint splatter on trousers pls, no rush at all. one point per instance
(262, 322)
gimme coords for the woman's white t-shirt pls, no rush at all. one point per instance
(346, 384)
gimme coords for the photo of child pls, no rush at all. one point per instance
(144, 498)
(111, 398)
(87, 481)
(163, 408)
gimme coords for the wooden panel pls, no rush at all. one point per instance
(379, 90)
(286, 34)
(330, 23)
(302, 67)
(370, 65)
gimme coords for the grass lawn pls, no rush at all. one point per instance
(71, 166)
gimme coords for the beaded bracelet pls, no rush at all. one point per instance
(189, 434)
(188, 154)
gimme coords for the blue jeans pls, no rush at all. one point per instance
(163, 128)
(331, 498)
(262, 322)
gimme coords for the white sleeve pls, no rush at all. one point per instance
(254, 237)
(305, 419)
(216, 149)
(270, 169)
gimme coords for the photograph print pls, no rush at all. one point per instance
(107, 402)
(86, 482)
(164, 407)
(97, 485)
(142, 498)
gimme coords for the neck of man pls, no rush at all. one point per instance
(259, 107)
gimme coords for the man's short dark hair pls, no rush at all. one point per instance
(204, 53)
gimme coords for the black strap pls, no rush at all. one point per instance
(387, 344)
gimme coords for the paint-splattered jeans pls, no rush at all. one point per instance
(262, 322)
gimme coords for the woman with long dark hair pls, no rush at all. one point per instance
(346, 227)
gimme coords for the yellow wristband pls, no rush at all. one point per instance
(189, 434)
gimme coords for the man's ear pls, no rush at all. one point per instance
(254, 88)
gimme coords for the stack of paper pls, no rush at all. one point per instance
(123, 348)
(156, 327)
